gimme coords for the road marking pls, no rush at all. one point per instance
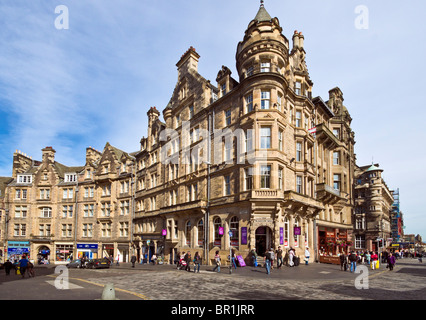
(325, 272)
(101, 285)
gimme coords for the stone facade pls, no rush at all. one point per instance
(373, 207)
(58, 212)
(247, 163)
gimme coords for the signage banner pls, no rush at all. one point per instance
(18, 251)
(281, 236)
(243, 235)
(297, 231)
(241, 261)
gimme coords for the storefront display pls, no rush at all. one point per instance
(16, 249)
(64, 252)
(88, 250)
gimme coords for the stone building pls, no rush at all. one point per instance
(373, 207)
(253, 162)
(58, 212)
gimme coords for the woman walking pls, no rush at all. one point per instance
(217, 260)
(391, 261)
(197, 262)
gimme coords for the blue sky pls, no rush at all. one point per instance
(94, 82)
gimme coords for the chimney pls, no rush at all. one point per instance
(295, 39)
(301, 40)
(48, 155)
(188, 61)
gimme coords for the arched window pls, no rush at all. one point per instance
(234, 226)
(200, 233)
(188, 233)
(217, 223)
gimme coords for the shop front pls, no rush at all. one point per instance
(17, 249)
(332, 243)
(64, 252)
(88, 250)
(108, 250)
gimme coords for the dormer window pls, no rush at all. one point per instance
(223, 89)
(25, 178)
(70, 177)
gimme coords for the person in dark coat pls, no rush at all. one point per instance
(391, 261)
(343, 262)
(7, 267)
(133, 260)
(187, 259)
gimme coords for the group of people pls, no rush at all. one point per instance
(185, 260)
(289, 258)
(371, 258)
(22, 266)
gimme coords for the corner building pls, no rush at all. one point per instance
(257, 156)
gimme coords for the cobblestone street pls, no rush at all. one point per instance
(313, 282)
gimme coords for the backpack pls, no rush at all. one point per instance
(270, 255)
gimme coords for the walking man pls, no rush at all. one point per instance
(23, 264)
(133, 260)
(352, 260)
(279, 253)
(269, 258)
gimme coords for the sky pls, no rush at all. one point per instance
(87, 75)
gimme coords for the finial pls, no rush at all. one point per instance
(261, 3)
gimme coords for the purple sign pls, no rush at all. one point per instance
(243, 235)
(221, 231)
(297, 231)
(281, 236)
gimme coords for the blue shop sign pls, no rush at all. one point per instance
(87, 246)
(18, 251)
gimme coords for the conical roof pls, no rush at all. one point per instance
(373, 168)
(262, 14)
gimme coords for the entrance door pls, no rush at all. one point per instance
(263, 240)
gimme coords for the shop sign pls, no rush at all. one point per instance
(281, 236)
(17, 251)
(164, 232)
(87, 246)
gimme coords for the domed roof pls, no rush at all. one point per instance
(373, 168)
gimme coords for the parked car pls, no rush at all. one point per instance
(98, 263)
(74, 264)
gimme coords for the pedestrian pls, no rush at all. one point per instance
(291, 257)
(118, 259)
(374, 261)
(30, 270)
(343, 262)
(233, 258)
(367, 257)
(197, 262)
(133, 260)
(254, 257)
(307, 255)
(23, 264)
(279, 253)
(353, 260)
(391, 261)
(7, 267)
(188, 261)
(217, 261)
(154, 259)
(269, 260)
